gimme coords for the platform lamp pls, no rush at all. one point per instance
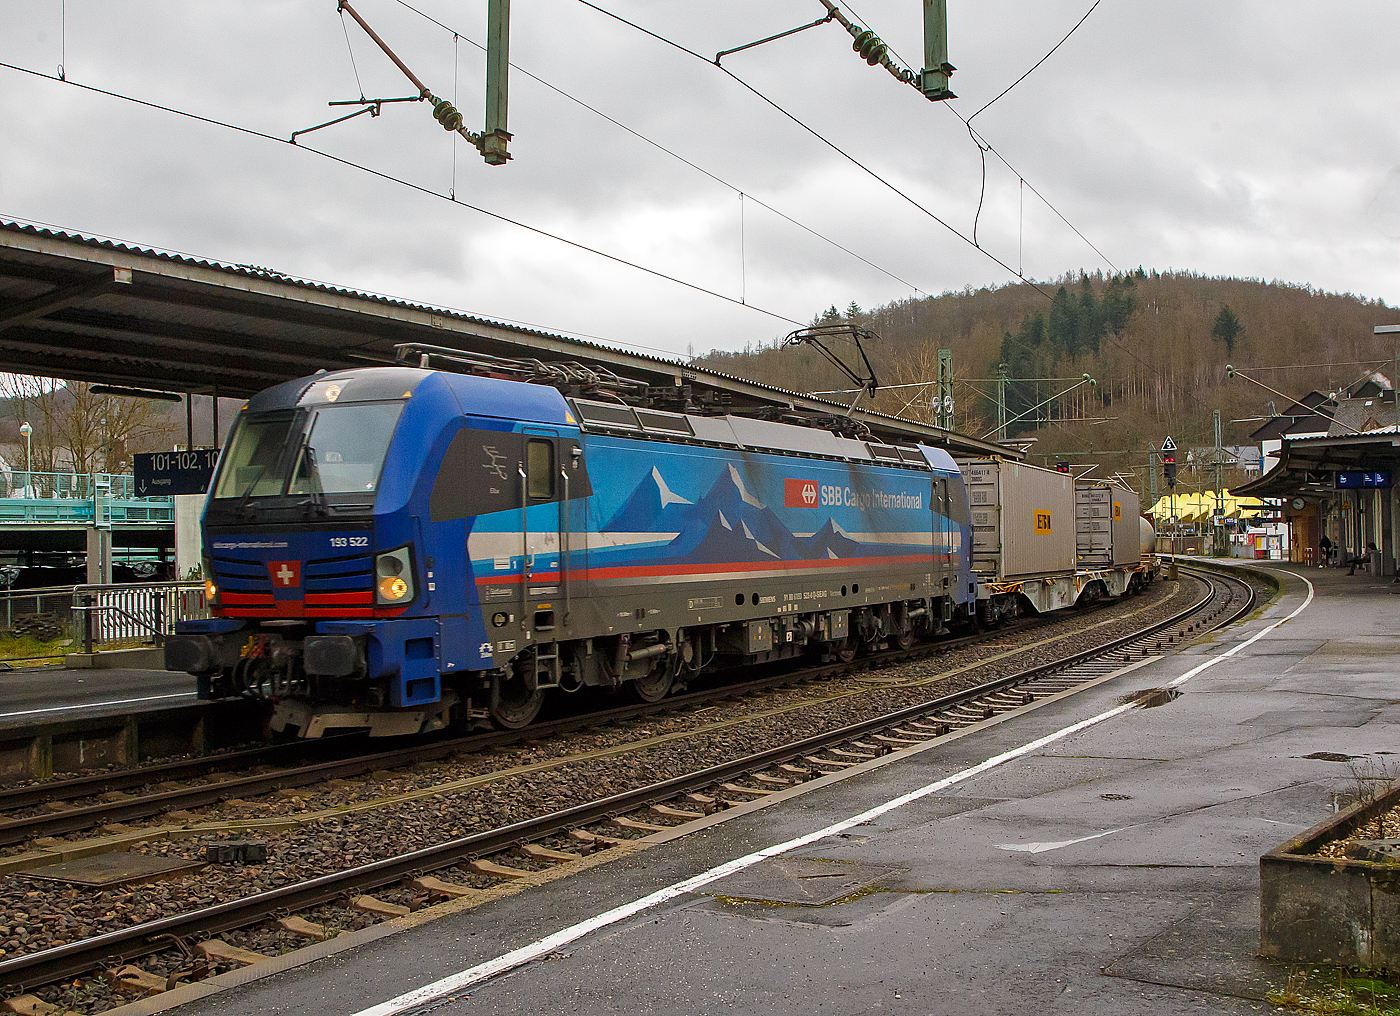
(27, 430)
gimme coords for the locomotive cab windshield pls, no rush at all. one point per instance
(326, 450)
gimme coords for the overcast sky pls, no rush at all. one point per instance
(1251, 139)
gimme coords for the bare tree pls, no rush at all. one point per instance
(79, 430)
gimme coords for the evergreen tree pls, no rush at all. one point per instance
(1119, 301)
(1227, 329)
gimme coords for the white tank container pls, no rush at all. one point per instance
(1106, 525)
(1148, 540)
(1022, 519)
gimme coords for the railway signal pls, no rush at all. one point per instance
(1169, 461)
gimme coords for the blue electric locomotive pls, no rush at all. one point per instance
(397, 549)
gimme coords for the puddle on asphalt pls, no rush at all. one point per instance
(1150, 697)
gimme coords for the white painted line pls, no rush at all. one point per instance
(1041, 846)
(544, 946)
(1249, 641)
(96, 705)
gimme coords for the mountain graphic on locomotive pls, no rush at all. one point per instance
(399, 549)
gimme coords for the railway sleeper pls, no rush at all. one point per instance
(379, 908)
(596, 839)
(306, 929)
(734, 788)
(539, 853)
(446, 890)
(623, 822)
(218, 950)
(132, 980)
(484, 867)
(665, 811)
(32, 1005)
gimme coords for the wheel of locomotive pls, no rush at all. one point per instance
(903, 639)
(656, 685)
(845, 650)
(512, 704)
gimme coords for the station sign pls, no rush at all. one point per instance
(161, 474)
(1363, 480)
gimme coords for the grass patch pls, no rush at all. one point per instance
(22, 647)
(1354, 994)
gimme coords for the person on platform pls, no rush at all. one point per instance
(1326, 551)
(1365, 558)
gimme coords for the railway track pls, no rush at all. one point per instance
(663, 809)
(141, 793)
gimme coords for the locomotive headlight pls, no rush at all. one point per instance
(211, 588)
(394, 576)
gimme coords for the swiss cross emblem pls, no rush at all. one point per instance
(285, 574)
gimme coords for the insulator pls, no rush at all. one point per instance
(862, 38)
(446, 114)
(876, 54)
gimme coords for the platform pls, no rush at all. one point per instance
(1112, 868)
(46, 694)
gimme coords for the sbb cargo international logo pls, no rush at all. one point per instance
(799, 493)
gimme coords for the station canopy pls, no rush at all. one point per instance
(96, 310)
(1309, 466)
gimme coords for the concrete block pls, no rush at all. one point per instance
(237, 852)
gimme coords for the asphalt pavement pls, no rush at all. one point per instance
(1085, 857)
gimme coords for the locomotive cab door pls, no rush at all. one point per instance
(942, 537)
(542, 609)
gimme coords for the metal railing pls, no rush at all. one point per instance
(72, 497)
(50, 622)
(135, 612)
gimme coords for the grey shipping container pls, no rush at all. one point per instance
(1106, 525)
(1022, 519)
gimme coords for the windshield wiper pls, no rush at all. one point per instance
(243, 504)
(317, 500)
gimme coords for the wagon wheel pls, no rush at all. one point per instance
(512, 704)
(656, 685)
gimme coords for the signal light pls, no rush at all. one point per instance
(446, 114)
(869, 46)
(1169, 467)
(1062, 467)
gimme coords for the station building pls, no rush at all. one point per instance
(1336, 458)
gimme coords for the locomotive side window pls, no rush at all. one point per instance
(539, 469)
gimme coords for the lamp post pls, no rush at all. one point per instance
(27, 430)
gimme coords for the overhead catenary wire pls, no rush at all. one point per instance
(824, 140)
(1047, 56)
(351, 50)
(984, 146)
(420, 188)
(677, 156)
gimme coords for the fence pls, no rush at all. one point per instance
(79, 486)
(49, 622)
(70, 497)
(135, 612)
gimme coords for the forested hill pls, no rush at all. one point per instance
(1155, 343)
